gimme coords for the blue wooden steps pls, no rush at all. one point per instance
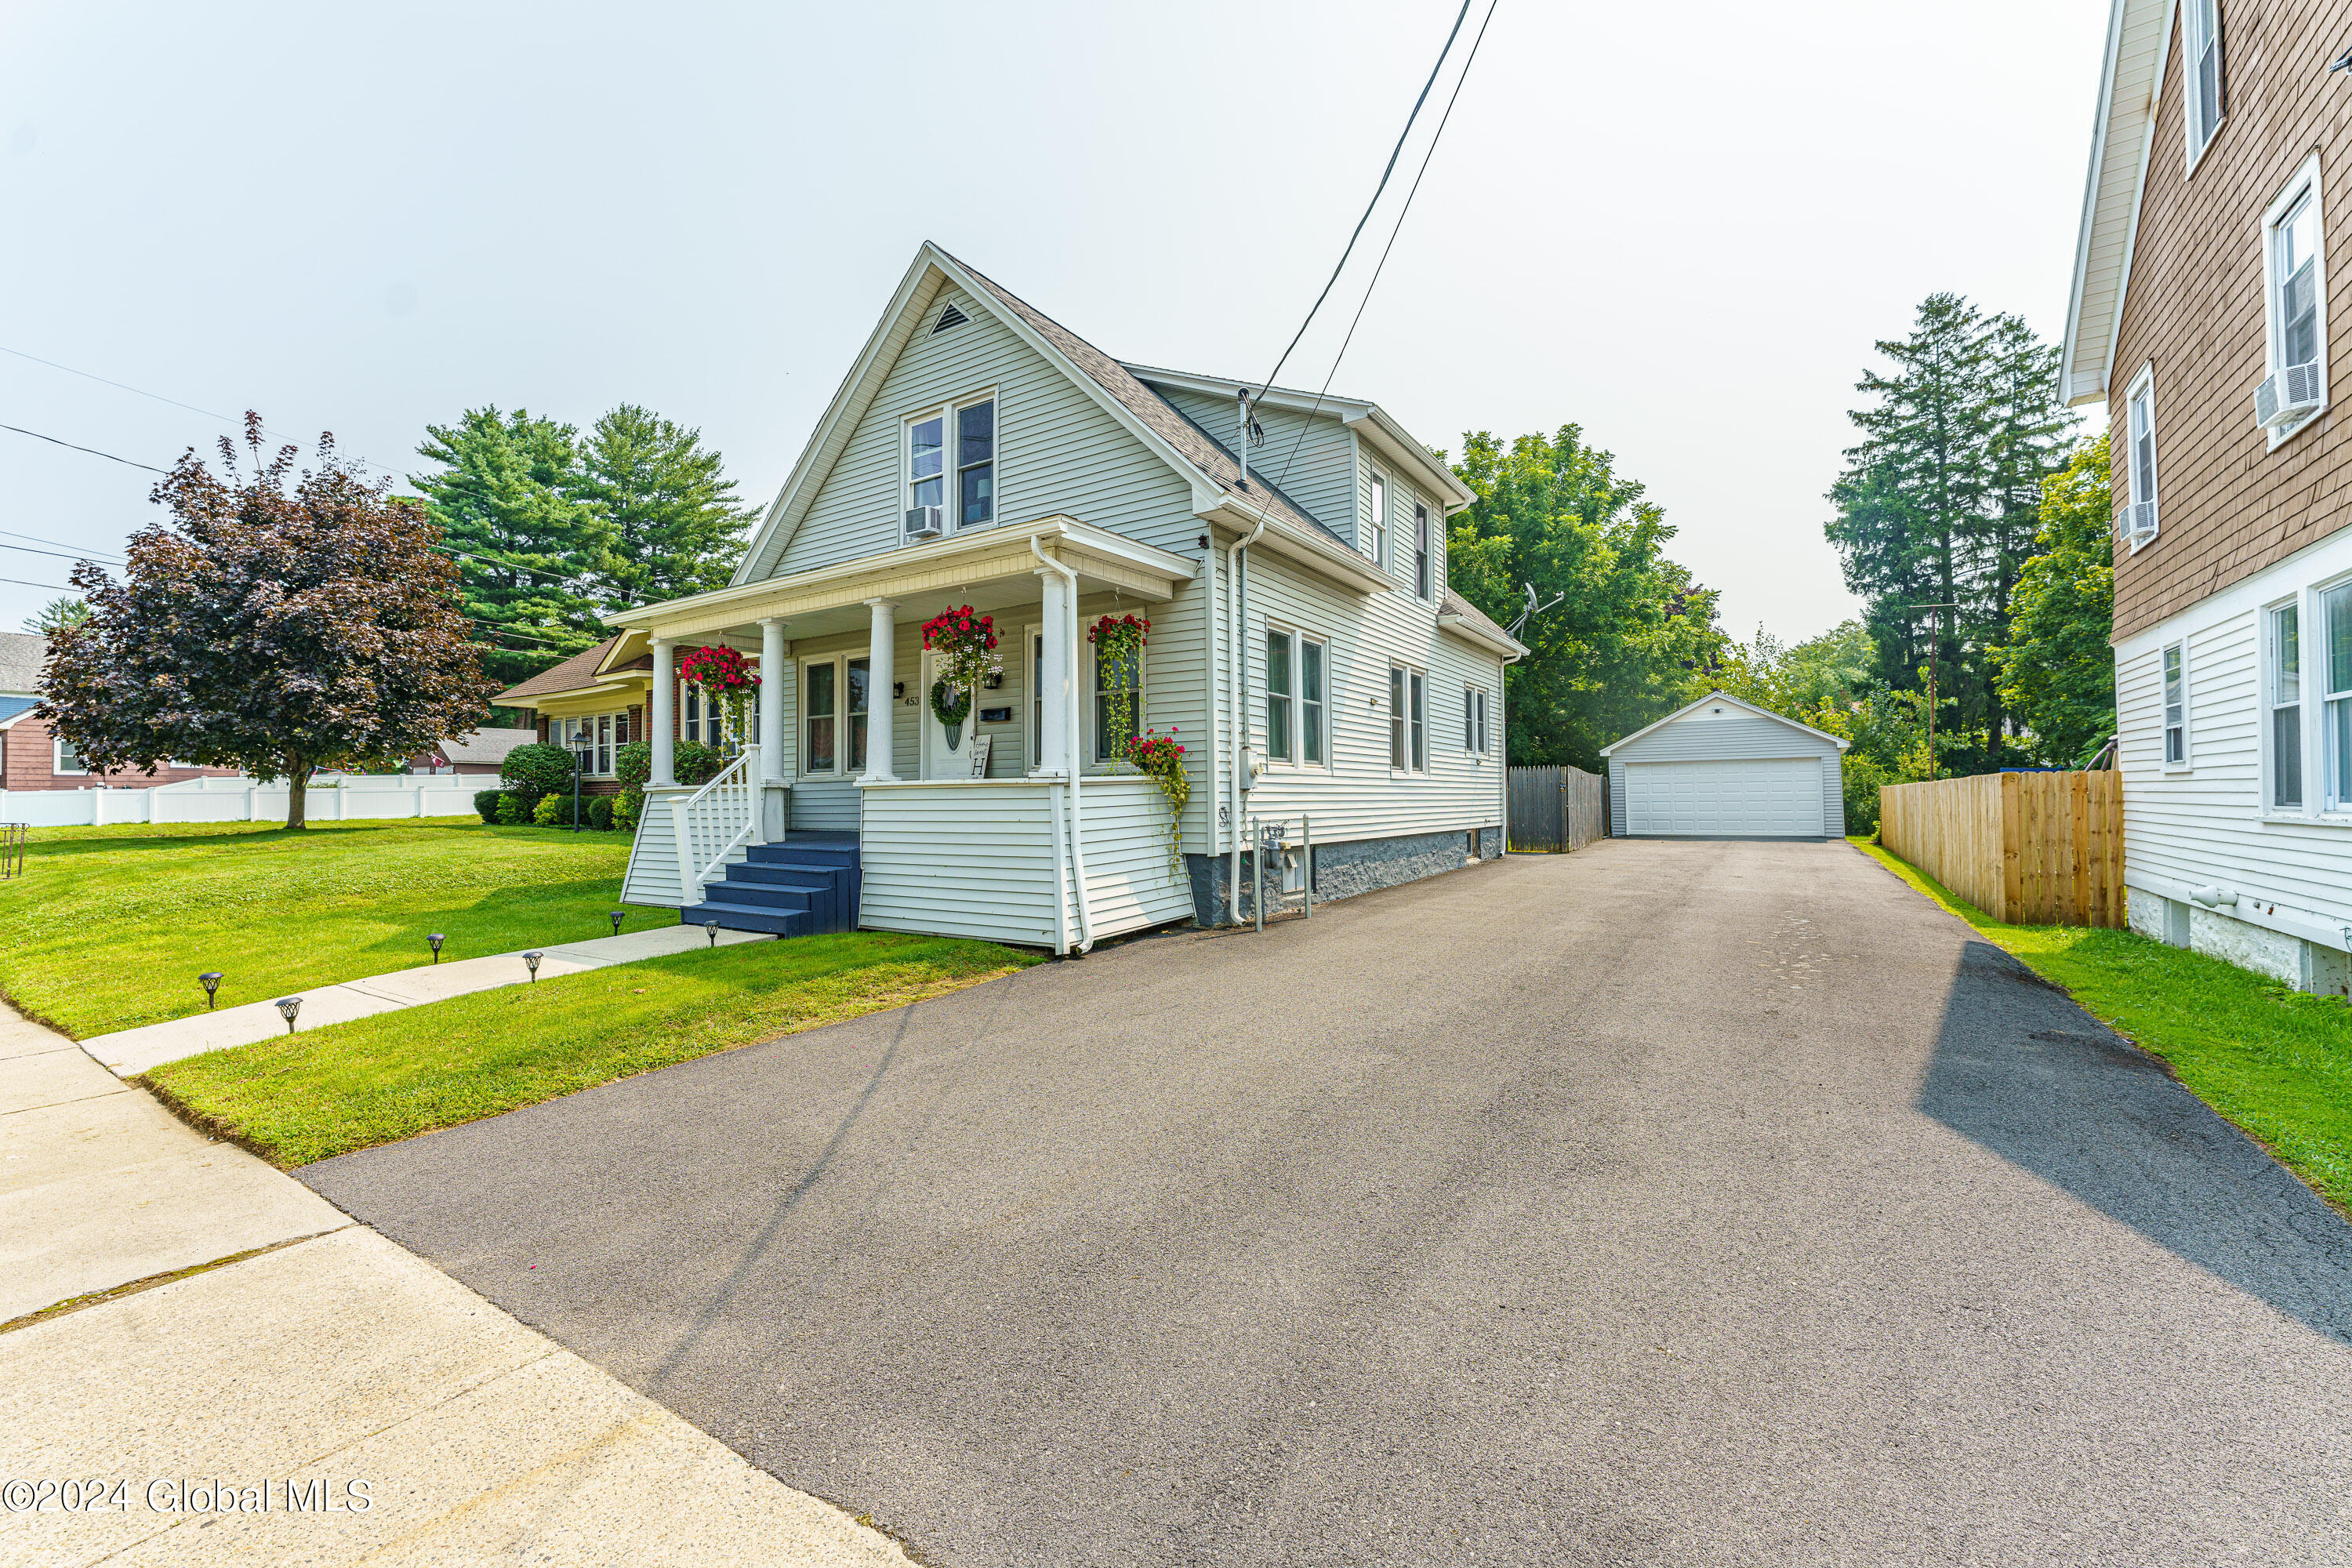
(805, 885)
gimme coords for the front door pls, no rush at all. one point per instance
(946, 754)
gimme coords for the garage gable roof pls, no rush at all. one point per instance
(1720, 696)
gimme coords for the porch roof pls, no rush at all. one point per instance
(814, 601)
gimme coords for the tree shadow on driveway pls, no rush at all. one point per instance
(2021, 1070)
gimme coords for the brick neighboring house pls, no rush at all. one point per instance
(31, 755)
(2202, 314)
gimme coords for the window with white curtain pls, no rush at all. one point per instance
(2175, 706)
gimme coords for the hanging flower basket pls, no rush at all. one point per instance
(725, 678)
(965, 641)
(1118, 642)
(1159, 758)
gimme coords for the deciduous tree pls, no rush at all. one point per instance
(273, 626)
(2057, 668)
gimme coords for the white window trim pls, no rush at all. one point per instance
(1297, 761)
(1088, 762)
(878, 706)
(1389, 696)
(2315, 686)
(2306, 179)
(2143, 385)
(2188, 762)
(2189, 115)
(1425, 552)
(1477, 716)
(56, 761)
(2268, 700)
(607, 746)
(1379, 504)
(950, 473)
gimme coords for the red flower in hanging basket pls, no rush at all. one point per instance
(721, 670)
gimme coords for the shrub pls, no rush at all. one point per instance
(511, 810)
(485, 803)
(552, 811)
(1862, 778)
(539, 769)
(626, 810)
(599, 812)
(696, 763)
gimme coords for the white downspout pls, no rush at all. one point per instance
(1237, 593)
(1077, 821)
(1502, 747)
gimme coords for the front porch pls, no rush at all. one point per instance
(1006, 826)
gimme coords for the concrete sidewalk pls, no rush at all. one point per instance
(330, 1357)
(129, 1052)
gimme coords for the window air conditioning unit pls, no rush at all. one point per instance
(2139, 522)
(2287, 397)
(925, 523)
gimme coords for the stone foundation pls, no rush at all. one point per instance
(1345, 869)
(2305, 966)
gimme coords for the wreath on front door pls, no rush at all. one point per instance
(951, 705)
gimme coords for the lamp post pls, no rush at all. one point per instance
(530, 962)
(287, 1008)
(437, 939)
(210, 980)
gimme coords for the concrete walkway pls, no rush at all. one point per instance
(133, 1051)
(327, 1355)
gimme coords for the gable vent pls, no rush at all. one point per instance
(951, 317)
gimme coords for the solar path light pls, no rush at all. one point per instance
(616, 922)
(210, 980)
(287, 1008)
(530, 962)
(711, 927)
(437, 939)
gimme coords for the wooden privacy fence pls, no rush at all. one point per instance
(2027, 848)
(1557, 809)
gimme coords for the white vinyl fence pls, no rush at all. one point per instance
(334, 797)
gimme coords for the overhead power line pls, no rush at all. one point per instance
(1436, 136)
(1394, 155)
(20, 583)
(93, 451)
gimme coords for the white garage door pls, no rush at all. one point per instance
(1772, 798)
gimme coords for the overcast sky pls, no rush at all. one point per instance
(1679, 226)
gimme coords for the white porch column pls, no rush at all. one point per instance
(881, 712)
(1053, 748)
(774, 672)
(664, 718)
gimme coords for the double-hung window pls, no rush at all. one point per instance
(66, 760)
(2286, 707)
(1380, 518)
(1408, 720)
(1294, 699)
(2296, 308)
(2200, 23)
(592, 739)
(2336, 609)
(2175, 706)
(1420, 558)
(857, 675)
(1474, 719)
(1112, 677)
(961, 482)
(820, 756)
(2139, 465)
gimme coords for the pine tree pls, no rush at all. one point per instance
(528, 549)
(669, 522)
(1937, 504)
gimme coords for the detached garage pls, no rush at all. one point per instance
(1722, 768)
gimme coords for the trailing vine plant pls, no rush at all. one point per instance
(1118, 642)
(1161, 759)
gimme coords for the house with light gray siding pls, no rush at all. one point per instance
(1303, 648)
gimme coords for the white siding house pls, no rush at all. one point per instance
(1300, 628)
(1722, 768)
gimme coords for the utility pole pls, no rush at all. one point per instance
(1932, 632)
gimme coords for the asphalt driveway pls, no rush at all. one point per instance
(1668, 1203)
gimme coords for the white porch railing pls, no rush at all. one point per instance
(714, 822)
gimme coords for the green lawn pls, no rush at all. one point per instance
(2273, 1061)
(109, 927)
(373, 1080)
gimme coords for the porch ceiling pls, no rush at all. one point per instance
(990, 570)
